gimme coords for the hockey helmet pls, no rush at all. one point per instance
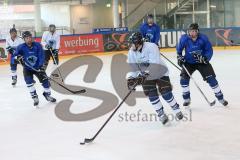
(193, 26)
(136, 38)
(26, 34)
(13, 30)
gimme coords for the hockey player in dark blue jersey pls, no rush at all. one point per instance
(150, 30)
(198, 53)
(33, 58)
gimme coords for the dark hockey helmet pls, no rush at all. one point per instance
(52, 26)
(136, 38)
(150, 16)
(193, 26)
(26, 34)
(13, 30)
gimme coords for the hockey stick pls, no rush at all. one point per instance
(234, 44)
(55, 62)
(210, 103)
(89, 140)
(4, 60)
(49, 78)
(171, 62)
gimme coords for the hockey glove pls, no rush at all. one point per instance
(10, 49)
(200, 59)
(131, 82)
(55, 52)
(47, 46)
(141, 78)
(19, 59)
(181, 60)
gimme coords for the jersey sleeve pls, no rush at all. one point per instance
(18, 51)
(57, 41)
(157, 34)
(43, 40)
(7, 43)
(208, 50)
(181, 45)
(154, 54)
(133, 66)
(157, 67)
(142, 30)
(41, 55)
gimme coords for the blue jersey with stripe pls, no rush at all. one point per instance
(200, 46)
(152, 33)
(33, 56)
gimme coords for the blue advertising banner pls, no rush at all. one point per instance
(109, 30)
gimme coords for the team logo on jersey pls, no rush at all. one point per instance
(51, 42)
(149, 37)
(196, 52)
(32, 60)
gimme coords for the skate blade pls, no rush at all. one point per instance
(168, 124)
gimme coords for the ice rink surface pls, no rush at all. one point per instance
(209, 133)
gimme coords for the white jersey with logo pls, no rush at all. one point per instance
(51, 39)
(13, 43)
(148, 59)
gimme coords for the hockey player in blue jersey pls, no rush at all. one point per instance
(150, 30)
(198, 53)
(32, 55)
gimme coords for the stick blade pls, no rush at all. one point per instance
(80, 91)
(86, 140)
(213, 103)
(55, 75)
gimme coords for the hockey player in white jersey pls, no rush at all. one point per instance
(145, 57)
(11, 44)
(51, 44)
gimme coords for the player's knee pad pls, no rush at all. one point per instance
(168, 96)
(212, 81)
(164, 85)
(149, 88)
(29, 80)
(13, 67)
(151, 92)
(184, 76)
(45, 83)
(165, 89)
(184, 81)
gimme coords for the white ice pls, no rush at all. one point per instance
(213, 133)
